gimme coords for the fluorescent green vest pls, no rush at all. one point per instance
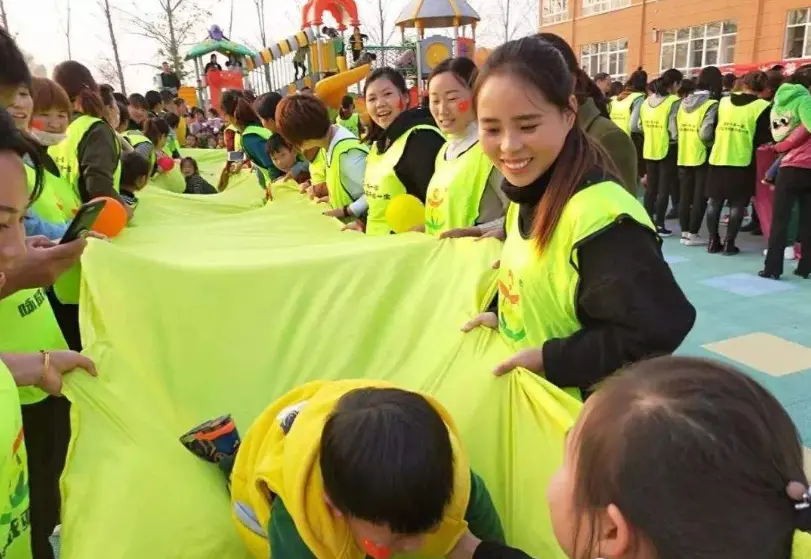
(338, 195)
(29, 325)
(621, 111)
(538, 291)
(380, 184)
(735, 133)
(237, 136)
(654, 127)
(47, 206)
(15, 523)
(263, 133)
(352, 123)
(136, 138)
(456, 189)
(318, 167)
(66, 153)
(692, 151)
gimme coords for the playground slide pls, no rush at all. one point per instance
(332, 89)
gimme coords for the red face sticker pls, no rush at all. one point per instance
(376, 552)
(464, 105)
(400, 104)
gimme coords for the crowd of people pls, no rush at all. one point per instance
(670, 458)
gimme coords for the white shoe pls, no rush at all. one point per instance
(788, 253)
(694, 240)
(684, 237)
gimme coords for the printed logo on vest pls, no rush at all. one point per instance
(434, 222)
(31, 304)
(509, 318)
(16, 518)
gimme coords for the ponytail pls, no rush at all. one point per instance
(585, 88)
(90, 103)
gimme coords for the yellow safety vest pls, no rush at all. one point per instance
(380, 184)
(456, 189)
(538, 291)
(15, 522)
(352, 123)
(237, 137)
(136, 138)
(286, 465)
(263, 133)
(66, 153)
(735, 132)
(318, 168)
(655, 122)
(620, 112)
(338, 195)
(692, 151)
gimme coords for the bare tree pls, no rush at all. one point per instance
(383, 29)
(171, 26)
(107, 71)
(514, 18)
(66, 26)
(3, 16)
(263, 37)
(119, 71)
(231, 18)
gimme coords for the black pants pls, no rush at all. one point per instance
(693, 202)
(299, 66)
(67, 316)
(662, 177)
(47, 434)
(793, 186)
(736, 213)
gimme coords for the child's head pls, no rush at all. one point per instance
(167, 100)
(282, 153)
(450, 92)
(137, 108)
(154, 101)
(215, 141)
(303, 120)
(188, 166)
(191, 141)
(134, 171)
(266, 109)
(678, 457)
(347, 105)
(387, 464)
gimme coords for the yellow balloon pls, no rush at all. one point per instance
(405, 212)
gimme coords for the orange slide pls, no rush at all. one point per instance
(332, 89)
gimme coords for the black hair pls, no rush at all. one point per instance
(11, 139)
(167, 96)
(133, 167)
(396, 78)
(245, 115)
(347, 102)
(15, 69)
(386, 458)
(277, 143)
(615, 88)
(121, 98)
(464, 69)
(229, 101)
(729, 81)
(686, 87)
(710, 79)
(638, 81)
(153, 99)
(266, 105)
(670, 78)
(154, 128)
(584, 86)
(193, 162)
(106, 92)
(138, 101)
(124, 117)
(171, 119)
(801, 76)
(214, 111)
(600, 76)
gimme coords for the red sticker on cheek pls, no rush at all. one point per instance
(375, 551)
(400, 104)
(464, 105)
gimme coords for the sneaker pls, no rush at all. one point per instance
(694, 240)
(788, 253)
(663, 232)
(684, 237)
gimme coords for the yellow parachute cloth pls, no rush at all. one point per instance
(208, 305)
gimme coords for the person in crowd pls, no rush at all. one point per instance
(300, 63)
(357, 42)
(603, 82)
(696, 121)
(135, 173)
(169, 80)
(303, 120)
(741, 490)
(266, 109)
(178, 106)
(113, 114)
(615, 89)
(657, 123)
(593, 117)
(627, 103)
(123, 126)
(121, 98)
(195, 184)
(154, 103)
(254, 137)
(729, 84)
(213, 114)
(404, 146)
(168, 101)
(348, 118)
(288, 161)
(743, 125)
(686, 87)
(138, 110)
(212, 65)
(172, 147)
(464, 197)
(152, 141)
(621, 302)
(191, 141)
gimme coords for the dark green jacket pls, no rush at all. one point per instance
(616, 143)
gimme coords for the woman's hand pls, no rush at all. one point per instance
(318, 190)
(29, 369)
(304, 187)
(486, 319)
(336, 212)
(461, 232)
(354, 226)
(497, 233)
(529, 359)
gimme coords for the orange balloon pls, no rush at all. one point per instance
(112, 219)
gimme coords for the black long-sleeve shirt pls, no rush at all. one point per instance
(490, 550)
(98, 154)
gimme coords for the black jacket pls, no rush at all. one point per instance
(416, 166)
(628, 301)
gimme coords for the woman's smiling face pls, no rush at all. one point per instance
(21, 107)
(384, 102)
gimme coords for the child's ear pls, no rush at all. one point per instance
(614, 537)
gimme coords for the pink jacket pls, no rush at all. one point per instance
(796, 149)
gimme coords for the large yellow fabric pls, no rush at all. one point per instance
(218, 304)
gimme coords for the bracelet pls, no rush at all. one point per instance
(46, 364)
(346, 211)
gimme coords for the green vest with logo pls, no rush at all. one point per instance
(66, 153)
(538, 291)
(692, 151)
(735, 132)
(620, 112)
(338, 195)
(655, 128)
(263, 133)
(15, 522)
(456, 189)
(352, 123)
(29, 325)
(380, 183)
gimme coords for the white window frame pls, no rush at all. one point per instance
(806, 35)
(554, 11)
(602, 52)
(592, 7)
(697, 33)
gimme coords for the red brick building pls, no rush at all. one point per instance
(617, 36)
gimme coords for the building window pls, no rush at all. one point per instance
(797, 44)
(554, 11)
(599, 6)
(608, 56)
(692, 48)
